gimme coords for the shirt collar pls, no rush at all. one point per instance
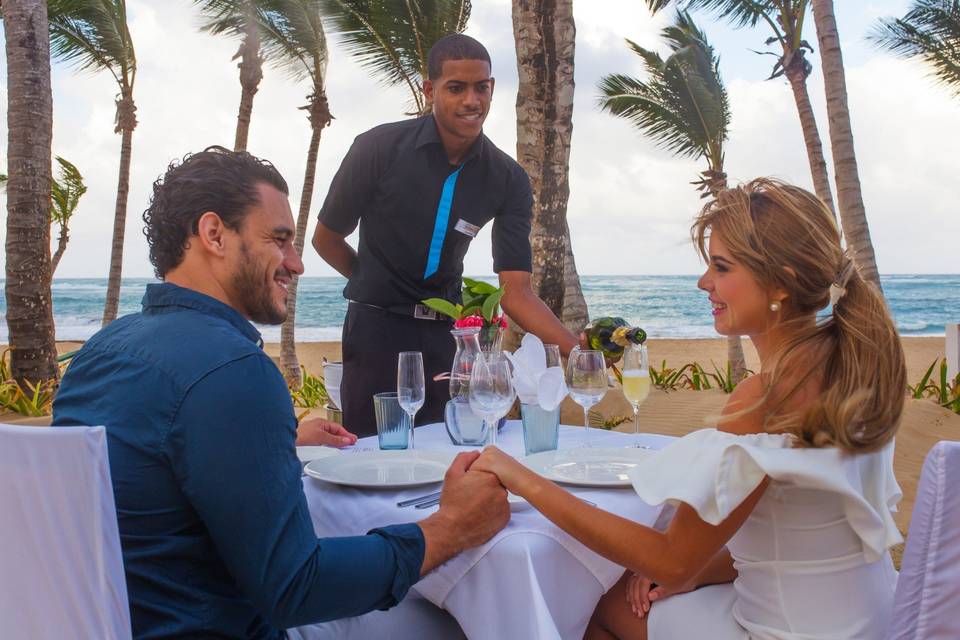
(428, 134)
(166, 294)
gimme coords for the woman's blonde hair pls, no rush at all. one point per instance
(788, 239)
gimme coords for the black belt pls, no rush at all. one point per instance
(418, 311)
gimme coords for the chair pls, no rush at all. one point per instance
(61, 571)
(928, 590)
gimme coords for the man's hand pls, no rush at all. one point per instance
(317, 431)
(473, 507)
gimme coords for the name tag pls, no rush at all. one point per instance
(466, 228)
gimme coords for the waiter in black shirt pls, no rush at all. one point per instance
(420, 190)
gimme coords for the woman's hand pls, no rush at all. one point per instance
(642, 592)
(510, 472)
(317, 431)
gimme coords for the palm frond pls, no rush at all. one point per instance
(739, 13)
(683, 105)
(391, 38)
(66, 191)
(930, 30)
(294, 39)
(93, 35)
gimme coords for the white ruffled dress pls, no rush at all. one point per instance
(812, 557)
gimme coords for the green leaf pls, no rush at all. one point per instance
(482, 288)
(442, 306)
(471, 310)
(490, 304)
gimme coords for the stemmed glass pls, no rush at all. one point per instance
(587, 380)
(410, 387)
(491, 390)
(553, 354)
(636, 383)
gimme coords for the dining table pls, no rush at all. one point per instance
(532, 579)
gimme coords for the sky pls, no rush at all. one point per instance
(631, 203)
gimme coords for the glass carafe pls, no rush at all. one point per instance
(463, 427)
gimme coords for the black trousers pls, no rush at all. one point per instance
(372, 339)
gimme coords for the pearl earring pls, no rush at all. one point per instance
(774, 306)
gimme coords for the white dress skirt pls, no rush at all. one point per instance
(812, 557)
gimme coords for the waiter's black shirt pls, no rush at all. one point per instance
(390, 183)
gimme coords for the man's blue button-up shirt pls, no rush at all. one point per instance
(217, 539)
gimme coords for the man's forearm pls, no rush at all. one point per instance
(335, 251)
(439, 542)
(529, 311)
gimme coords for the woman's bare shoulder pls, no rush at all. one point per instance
(744, 411)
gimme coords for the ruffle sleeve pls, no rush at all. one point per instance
(714, 471)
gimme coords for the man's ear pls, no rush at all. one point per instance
(211, 231)
(428, 90)
(493, 82)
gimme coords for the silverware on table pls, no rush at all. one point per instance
(419, 499)
(427, 504)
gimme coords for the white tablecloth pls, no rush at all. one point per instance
(531, 580)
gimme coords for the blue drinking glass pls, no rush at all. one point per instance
(393, 423)
(540, 428)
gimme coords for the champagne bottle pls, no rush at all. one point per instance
(612, 335)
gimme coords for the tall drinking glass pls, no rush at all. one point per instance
(491, 390)
(410, 387)
(636, 383)
(587, 380)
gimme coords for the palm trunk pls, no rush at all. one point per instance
(811, 135)
(29, 135)
(853, 217)
(61, 247)
(251, 73)
(126, 122)
(544, 33)
(289, 364)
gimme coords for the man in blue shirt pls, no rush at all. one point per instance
(217, 539)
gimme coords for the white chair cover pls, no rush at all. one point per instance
(928, 590)
(61, 571)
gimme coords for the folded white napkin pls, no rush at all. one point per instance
(534, 381)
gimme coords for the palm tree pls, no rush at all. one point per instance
(293, 39)
(683, 107)
(930, 31)
(853, 217)
(391, 38)
(239, 19)
(30, 118)
(93, 35)
(65, 195)
(785, 19)
(544, 33)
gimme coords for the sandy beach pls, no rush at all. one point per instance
(679, 412)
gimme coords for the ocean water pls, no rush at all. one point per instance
(666, 306)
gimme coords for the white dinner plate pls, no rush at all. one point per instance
(306, 454)
(588, 466)
(382, 469)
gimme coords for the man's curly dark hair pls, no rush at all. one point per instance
(217, 180)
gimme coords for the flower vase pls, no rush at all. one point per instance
(490, 338)
(463, 426)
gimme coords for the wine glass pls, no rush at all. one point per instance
(410, 387)
(587, 380)
(553, 354)
(491, 390)
(636, 383)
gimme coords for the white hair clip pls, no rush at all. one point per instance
(839, 287)
(836, 292)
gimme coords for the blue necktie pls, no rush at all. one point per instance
(440, 225)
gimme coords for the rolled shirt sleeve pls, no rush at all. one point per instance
(352, 187)
(232, 448)
(511, 226)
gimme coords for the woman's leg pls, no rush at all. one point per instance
(613, 618)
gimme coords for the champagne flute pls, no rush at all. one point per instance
(636, 383)
(491, 390)
(410, 387)
(587, 380)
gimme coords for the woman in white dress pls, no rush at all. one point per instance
(783, 519)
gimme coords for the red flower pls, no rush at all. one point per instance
(469, 321)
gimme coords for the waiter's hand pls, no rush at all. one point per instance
(317, 431)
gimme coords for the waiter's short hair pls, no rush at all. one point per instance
(455, 46)
(215, 179)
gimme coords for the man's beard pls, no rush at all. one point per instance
(251, 291)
